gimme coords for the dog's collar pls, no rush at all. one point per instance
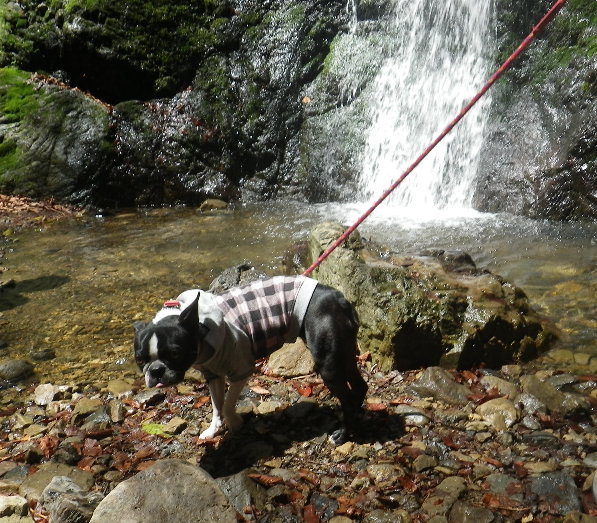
(171, 304)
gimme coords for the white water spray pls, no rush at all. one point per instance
(439, 63)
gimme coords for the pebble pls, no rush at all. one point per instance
(500, 413)
(15, 370)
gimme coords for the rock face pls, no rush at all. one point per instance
(429, 309)
(171, 490)
(539, 158)
(177, 102)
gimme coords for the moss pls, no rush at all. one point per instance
(17, 96)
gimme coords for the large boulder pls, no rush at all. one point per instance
(429, 309)
(171, 490)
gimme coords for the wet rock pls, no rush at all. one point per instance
(170, 490)
(212, 204)
(324, 505)
(150, 397)
(176, 425)
(15, 370)
(466, 513)
(84, 407)
(424, 462)
(13, 506)
(507, 388)
(412, 416)
(439, 384)
(384, 475)
(67, 502)
(293, 359)
(444, 496)
(34, 484)
(241, 491)
(504, 485)
(416, 312)
(499, 413)
(235, 276)
(42, 354)
(120, 388)
(557, 493)
(561, 403)
(45, 393)
(117, 411)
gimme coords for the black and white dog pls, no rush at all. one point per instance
(223, 335)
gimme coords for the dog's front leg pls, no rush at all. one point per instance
(232, 418)
(217, 391)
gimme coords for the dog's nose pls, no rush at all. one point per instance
(157, 371)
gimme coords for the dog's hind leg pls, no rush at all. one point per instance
(232, 419)
(217, 391)
(335, 361)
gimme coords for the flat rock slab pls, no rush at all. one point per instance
(171, 490)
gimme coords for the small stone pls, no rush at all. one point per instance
(582, 358)
(34, 430)
(269, 407)
(119, 388)
(384, 474)
(13, 506)
(176, 425)
(345, 449)
(512, 371)
(117, 411)
(212, 204)
(293, 359)
(412, 416)
(42, 354)
(482, 437)
(558, 491)
(45, 393)
(15, 370)
(150, 397)
(500, 413)
(439, 384)
(424, 462)
(561, 355)
(540, 467)
(84, 407)
(508, 389)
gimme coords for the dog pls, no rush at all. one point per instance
(223, 335)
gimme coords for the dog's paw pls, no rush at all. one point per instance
(340, 436)
(214, 429)
(234, 422)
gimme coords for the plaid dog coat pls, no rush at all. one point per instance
(250, 322)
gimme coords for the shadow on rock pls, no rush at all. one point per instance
(270, 435)
(13, 294)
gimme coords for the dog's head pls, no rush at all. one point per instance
(165, 349)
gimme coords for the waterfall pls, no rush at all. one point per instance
(438, 61)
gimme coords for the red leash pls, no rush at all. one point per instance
(525, 43)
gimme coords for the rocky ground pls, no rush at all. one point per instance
(483, 445)
(514, 444)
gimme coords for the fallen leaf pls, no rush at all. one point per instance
(310, 514)
(258, 389)
(265, 480)
(155, 429)
(201, 400)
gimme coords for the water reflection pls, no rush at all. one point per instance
(80, 286)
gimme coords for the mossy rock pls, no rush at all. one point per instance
(52, 139)
(429, 309)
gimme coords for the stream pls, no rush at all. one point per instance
(80, 284)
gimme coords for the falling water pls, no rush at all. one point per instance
(438, 62)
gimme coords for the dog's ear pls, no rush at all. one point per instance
(139, 326)
(189, 317)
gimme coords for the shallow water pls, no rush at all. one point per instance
(80, 285)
